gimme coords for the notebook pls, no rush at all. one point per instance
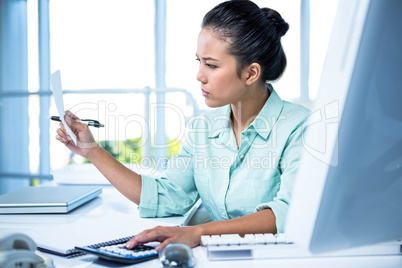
(47, 199)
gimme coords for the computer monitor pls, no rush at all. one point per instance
(348, 192)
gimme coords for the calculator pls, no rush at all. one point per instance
(119, 253)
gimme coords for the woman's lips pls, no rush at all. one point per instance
(204, 93)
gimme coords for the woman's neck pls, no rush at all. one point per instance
(245, 111)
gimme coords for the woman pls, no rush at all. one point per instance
(240, 158)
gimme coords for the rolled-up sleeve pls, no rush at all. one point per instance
(172, 193)
(288, 166)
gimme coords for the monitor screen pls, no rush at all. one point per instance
(354, 184)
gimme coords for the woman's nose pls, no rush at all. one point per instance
(200, 75)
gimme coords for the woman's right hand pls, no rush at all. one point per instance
(85, 140)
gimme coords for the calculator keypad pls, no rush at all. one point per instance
(119, 253)
(121, 250)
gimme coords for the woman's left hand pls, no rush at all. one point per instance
(188, 235)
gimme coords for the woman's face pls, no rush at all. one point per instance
(220, 83)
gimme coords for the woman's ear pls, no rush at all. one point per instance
(252, 73)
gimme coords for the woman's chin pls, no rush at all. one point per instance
(213, 104)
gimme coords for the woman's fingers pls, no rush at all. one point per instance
(165, 235)
(63, 132)
(143, 237)
(71, 115)
(70, 122)
(62, 140)
(62, 137)
(85, 141)
(75, 126)
(152, 236)
(63, 129)
(164, 243)
(132, 242)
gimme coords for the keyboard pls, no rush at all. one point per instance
(269, 246)
(251, 246)
(119, 253)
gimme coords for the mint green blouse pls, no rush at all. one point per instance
(231, 181)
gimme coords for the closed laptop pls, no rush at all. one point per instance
(47, 199)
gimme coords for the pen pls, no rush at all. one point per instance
(89, 122)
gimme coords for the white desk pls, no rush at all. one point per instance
(116, 208)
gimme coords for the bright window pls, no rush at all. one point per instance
(109, 45)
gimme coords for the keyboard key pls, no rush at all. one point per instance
(259, 238)
(281, 239)
(249, 239)
(270, 238)
(205, 240)
(232, 239)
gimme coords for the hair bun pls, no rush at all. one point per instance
(281, 25)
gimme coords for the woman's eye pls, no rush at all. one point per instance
(211, 66)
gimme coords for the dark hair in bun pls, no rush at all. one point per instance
(281, 25)
(253, 35)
